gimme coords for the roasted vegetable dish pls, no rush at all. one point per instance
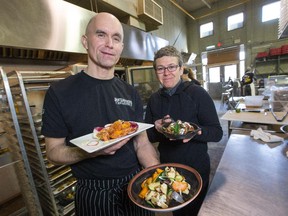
(157, 189)
(178, 128)
(115, 130)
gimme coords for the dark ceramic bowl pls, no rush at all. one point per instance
(188, 135)
(191, 175)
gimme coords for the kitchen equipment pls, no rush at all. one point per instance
(279, 109)
(25, 91)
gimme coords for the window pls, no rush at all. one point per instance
(242, 60)
(235, 21)
(271, 11)
(214, 75)
(206, 30)
(230, 71)
(242, 68)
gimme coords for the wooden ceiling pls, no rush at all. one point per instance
(188, 5)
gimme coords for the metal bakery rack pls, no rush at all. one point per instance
(52, 186)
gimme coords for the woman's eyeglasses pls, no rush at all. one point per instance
(170, 68)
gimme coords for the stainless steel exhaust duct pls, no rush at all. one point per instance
(51, 30)
(43, 24)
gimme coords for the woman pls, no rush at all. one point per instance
(188, 75)
(187, 102)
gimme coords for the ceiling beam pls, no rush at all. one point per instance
(182, 9)
(206, 3)
(222, 9)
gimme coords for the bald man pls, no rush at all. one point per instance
(94, 97)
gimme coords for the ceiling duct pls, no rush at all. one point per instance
(283, 20)
(150, 13)
(50, 30)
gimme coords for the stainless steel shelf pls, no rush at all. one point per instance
(49, 180)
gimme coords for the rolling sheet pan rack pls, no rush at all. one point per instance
(17, 154)
(28, 90)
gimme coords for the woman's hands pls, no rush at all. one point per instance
(158, 124)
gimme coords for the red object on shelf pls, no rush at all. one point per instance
(284, 49)
(261, 55)
(275, 51)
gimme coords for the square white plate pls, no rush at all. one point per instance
(90, 144)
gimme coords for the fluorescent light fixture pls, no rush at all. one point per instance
(210, 47)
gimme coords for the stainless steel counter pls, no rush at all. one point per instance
(251, 179)
(260, 119)
(252, 117)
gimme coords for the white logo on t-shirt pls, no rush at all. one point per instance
(122, 101)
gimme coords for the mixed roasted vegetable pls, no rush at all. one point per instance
(115, 130)
(157, 189)
(178, 128)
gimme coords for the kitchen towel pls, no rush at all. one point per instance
(264, 136)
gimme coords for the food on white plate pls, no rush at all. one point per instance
(115, 130)
(157, 189)
(178, 128)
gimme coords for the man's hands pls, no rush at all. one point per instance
(59, 153)
(110, 150)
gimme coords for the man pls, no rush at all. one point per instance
(94, 97)
(248, 83)
(188, 102)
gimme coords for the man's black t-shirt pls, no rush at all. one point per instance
(74, 106)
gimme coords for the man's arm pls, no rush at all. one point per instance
(146, 152)
(60, 154)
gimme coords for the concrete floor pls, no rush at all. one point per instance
(215, 149)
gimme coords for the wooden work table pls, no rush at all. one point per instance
(251, 179)
(265, 118)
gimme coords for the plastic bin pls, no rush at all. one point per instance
(275, 51)
(284, 49)
(254, 101)
(261, 55)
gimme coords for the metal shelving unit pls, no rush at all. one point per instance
(276, 65)
(54, 184)
(18, 155)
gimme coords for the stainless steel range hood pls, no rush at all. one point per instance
(51, 30)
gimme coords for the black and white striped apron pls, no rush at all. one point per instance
(106, 198)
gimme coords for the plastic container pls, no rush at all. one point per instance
(254, 101)
(275, 51)
(262, 55)
(284, 49)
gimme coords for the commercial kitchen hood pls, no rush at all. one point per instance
(50, 30)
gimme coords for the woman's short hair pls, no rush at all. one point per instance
(168, 51)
